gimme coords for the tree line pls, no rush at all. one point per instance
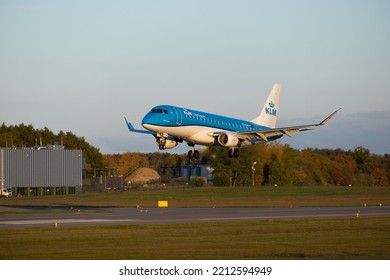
(276, 163)
(279, 164)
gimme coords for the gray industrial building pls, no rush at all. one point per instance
(50, 170)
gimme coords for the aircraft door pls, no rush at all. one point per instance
(179, 116)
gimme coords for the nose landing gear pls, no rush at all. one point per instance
(161, 143)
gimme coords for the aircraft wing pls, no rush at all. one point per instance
(264, 133)
(132, 129)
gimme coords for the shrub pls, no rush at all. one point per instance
(221, 179)
(198, 181)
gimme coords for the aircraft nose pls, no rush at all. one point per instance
(148, 119)
(145, 120)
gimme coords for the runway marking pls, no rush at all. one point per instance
(170, 216)
(64, 221)
(293, 217)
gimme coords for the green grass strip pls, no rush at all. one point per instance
(334, 239)
(281, 196)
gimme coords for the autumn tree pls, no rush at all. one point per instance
(125, 164)
(379, 176)
(343, 170)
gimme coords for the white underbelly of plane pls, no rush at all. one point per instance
(193, 134)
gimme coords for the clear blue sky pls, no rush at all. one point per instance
(81, 65)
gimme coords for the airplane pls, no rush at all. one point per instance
(171, 125)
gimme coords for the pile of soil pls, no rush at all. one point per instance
(143, 176)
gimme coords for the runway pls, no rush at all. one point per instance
(22, 217)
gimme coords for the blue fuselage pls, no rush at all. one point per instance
(194, 126)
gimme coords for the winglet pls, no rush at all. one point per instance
(329, 117)
(132, 129)
(129, 125)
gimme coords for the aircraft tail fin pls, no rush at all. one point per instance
(269, 112)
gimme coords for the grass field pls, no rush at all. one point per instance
(344, 238)
(293, 239)
(220, 197)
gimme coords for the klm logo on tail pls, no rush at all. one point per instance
(270, 110)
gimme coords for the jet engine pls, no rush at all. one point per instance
(228, 140)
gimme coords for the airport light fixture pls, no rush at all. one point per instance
(253, 172)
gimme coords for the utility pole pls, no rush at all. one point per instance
(253, 173)
(2, 170)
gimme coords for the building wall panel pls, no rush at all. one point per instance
(42, 168)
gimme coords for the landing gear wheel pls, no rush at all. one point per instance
(161, 143)
(193, 154)
(233, 153)
(196, 154)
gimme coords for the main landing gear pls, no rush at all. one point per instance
(193, 153)
(234, 153)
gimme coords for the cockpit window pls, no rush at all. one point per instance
(159, 111)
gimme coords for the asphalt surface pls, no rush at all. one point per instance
(23, 217)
